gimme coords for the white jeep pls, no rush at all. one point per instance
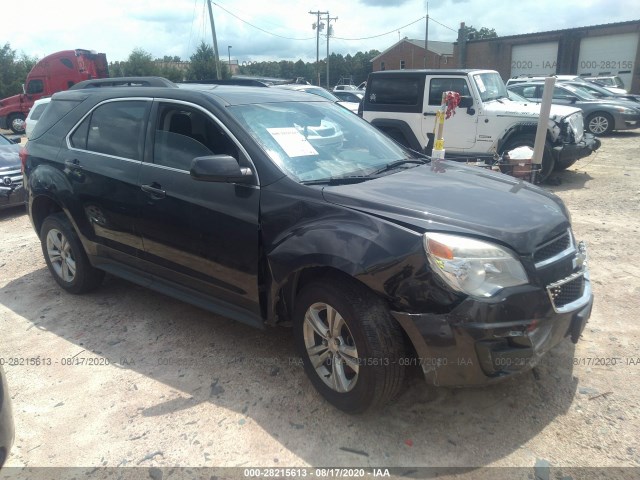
(403, 104)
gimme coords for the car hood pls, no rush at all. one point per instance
(456, 198)
(531, 109)
(9, 156)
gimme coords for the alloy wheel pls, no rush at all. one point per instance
(61, 255)
(331, 347)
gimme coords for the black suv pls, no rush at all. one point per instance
(272, 207)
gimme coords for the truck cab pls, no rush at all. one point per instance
(56, 72)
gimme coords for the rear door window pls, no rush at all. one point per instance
(114, 128)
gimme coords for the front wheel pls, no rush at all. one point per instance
(65, 256)
(350, 345)
(548, 161)
(16, 123)
(600, 123)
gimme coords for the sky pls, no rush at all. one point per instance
(176, 27)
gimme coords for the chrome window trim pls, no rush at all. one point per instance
(161, 99)
(75, 127)
(221, 125)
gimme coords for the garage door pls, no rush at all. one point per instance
(610, 55)
(534, 59)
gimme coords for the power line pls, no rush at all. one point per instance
(442, 24)
(337, 38)
(396, 29)
(258, 28)
(382, 34)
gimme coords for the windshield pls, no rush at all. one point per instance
(490, 86)
(593, 89)
(579, 92)
(317, 140)
(4, 141)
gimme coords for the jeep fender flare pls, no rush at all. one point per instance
(402, 128)
(519, 129)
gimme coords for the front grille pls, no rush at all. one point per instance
(10, 177)
(566, 291)
(550, 251)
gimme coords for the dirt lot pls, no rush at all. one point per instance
(128, 377)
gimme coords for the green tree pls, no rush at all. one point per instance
(13, 70)
(172, 73)
(472, 33)
(203, 65)
(140, 63)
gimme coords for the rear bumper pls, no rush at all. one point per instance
(481, 342)
(569, 153)
(3, 123)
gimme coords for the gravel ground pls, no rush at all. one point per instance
(128, 377)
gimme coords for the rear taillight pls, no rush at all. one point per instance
(23, 157)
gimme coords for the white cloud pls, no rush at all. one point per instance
(176, 27)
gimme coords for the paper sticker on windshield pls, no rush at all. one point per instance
(480, 83)
(292, 141)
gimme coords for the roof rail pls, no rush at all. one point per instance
(247, 82)
(124, 82)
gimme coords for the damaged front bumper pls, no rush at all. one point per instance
(568, 153)
(480, 341)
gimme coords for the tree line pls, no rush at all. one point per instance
(13, 70)
(200, 66)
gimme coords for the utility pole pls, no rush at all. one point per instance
(329, 29)
(215, 41)
(318, 26)
(426, 38)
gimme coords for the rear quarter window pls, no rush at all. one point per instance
(402, 93)
(57, 110)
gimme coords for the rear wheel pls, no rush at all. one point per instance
(600, 123)
(548, 162)
(350, 345)
(65, 256)
(16, 123)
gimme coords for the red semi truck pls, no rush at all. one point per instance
(53, 73)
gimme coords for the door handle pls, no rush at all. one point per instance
(73, 164)
(154, 190)
(429, 114)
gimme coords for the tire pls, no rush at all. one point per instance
(600, 123)
(16, 123)
(548, 162)
(365, 338)
(65, 256)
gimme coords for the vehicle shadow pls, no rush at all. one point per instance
(10, 213)
(257, 375)
(571, 179)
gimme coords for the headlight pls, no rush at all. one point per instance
(472, 266)
(625, 110)
(576, 124)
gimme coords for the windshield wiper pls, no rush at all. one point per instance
(337, 180)
(396, 164)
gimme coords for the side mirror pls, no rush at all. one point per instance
(219, 168)
(466, 102)
(16, 140)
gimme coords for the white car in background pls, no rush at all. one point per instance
(353, 106)
(35, 113)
